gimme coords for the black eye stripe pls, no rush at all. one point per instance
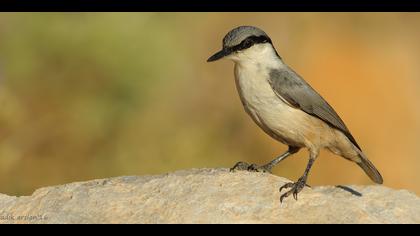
(249, 42)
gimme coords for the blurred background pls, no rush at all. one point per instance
(95, 95)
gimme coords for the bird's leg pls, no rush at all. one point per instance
(267, 167)
(300, 184)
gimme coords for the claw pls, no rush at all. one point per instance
(256, 168)
(252, 168)
(240, 166)
(281, 198)
(296, 188)
(284, 196)
(287, 185)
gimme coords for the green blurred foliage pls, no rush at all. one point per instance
(94, 95)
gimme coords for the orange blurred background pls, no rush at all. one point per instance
(95, 95)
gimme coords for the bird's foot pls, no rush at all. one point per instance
(295, 188)
(251, 167)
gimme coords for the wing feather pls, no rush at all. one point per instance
(289, 86)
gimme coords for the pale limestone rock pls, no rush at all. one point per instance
(207, 196)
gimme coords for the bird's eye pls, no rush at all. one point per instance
(247, 43)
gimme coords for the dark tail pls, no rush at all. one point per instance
(370, 169)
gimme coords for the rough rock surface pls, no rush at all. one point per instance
(207, 196)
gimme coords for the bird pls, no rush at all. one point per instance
(286, 107)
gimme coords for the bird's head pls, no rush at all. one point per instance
(245, 43)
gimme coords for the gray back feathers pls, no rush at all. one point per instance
(289, 86)
(237, 35)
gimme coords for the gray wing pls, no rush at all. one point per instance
(288, 85)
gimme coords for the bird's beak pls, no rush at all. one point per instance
(218, 55)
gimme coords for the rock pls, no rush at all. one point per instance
(207, 196)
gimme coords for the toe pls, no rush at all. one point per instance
(256, 168)
(253, 167)
(286, 194)
(295, 194)
(287, 185)
(240, 166)
(296, 188)
(265, 169)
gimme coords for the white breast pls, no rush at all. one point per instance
(271, 113)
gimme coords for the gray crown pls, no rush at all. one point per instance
(237, 35)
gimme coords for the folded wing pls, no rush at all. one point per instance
(289, 86)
